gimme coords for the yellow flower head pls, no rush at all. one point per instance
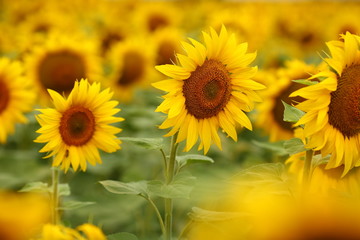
(59, 232)
(332, 119)
(16, 97)
(211, 88)
(79, 126)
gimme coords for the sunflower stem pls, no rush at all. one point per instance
(307, 169)
(55, 195)
(169, 177)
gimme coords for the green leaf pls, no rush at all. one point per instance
(64, 189)
(180, 187)
(318, 160)
(122, 236)
(202, 215)
(71, 205)
(39, 187)
(292, 114)
(131, 188)
(191, 159)
(294, 145)
(305, 82)
(276, 147)
(147, 143)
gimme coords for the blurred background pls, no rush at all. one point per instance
(118, 43)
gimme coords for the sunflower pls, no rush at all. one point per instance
(332, 122)
(132, 67)
(78, 126)
(60, 61)
(16, 97)
(279, 86)
(325, 180)
(210, 89)
(91, 232)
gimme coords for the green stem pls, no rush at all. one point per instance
(164, 161)
(157, 213)
(55, 195)
(307, 169)
(169, 177)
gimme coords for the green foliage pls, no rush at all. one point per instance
(188, 159)
(180, 187)
(147, 143)
(132, 188)
(305, 82)
(203, 215)
(276, 147)
(122, 236)
(41, 187)
(294, 145)
(292, 114)
(71, 205)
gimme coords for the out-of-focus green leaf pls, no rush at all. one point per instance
(292, 114)
(71, 205)
(180, 187)
(191, 159)
(202, 215)
(305, 82)
(318, 160)
(276, 147)
(147, 143)
(294, 145)
(64, 189)
(131, 188)
(122, 236)
(39, 187)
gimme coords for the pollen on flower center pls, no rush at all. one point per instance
(207, 90)
(77, 126)
(59, 70)
(344, 108)
(4, 96)
(133, 68)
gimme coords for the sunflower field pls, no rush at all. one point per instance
(186, 120)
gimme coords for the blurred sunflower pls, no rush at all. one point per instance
(326, 180)
(132, 67)
(210, 89)
(279, 86)
(91, 232)
(167, 44)
(150, 17)
(332, 122)
(16, 97)
(60, 61)
(79, 125)
(22, 215)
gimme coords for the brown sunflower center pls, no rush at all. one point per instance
(110, 39)
(77, 126)
(344, 108)
(133, 69)
(59, 70)
(4, 96)
(156, 21)
(278, 110)
(207, 90)
(166, 53)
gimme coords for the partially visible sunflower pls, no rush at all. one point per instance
(79, 126)
(279, 86)
(16, 97)
(131, 67)
(60, 61)
(332, 119)
(91, 232)
(211, 88)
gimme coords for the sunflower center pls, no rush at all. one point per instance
(166, 53)
(344, 108)
(110, 39)
(278, 110)
(4, 96)
(77, 126)
(207, 90)
(59, 70)
(133, 69)
(157, 21)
